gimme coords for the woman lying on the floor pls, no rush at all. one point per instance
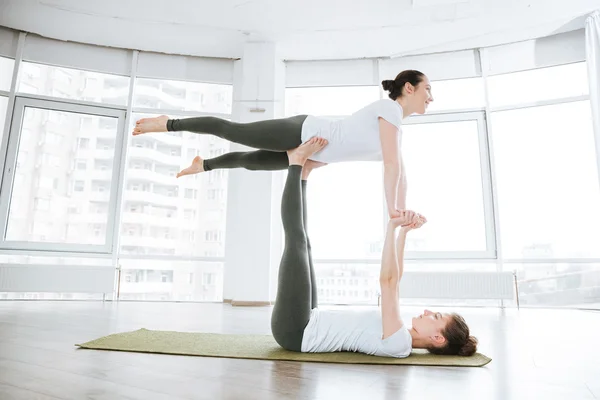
(298, 325)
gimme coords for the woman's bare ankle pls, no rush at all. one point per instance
(300, 154)
(297, 160)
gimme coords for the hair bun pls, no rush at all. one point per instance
(469, 348)
(388, 85)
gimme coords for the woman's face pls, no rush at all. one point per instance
(431, 324)
(421, 96)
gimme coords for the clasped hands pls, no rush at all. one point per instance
(407, 219)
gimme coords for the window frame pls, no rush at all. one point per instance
(21, 103)
(486, 181)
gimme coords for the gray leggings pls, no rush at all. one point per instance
(259, 160)
(297, 290)
(272, 138)
(274, 134)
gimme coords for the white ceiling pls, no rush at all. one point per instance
(307, 29)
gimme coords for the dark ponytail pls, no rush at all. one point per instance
(388, 85)
(396, 86)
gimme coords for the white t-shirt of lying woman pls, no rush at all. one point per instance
(353, 330)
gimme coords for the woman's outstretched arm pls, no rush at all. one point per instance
(394, 177)
(392, 268)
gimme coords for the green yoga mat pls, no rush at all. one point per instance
(261, 347)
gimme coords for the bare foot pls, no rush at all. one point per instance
(309, 166)
(300, 154)
(196, 167)
(156, 124)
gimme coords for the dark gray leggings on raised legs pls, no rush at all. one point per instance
(274, 134)
(297, 290)
(297, 287)
(272, 137)
(259, 160)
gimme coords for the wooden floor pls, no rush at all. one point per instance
(537, 354)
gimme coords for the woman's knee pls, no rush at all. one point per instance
(288, 341)
(295, 239)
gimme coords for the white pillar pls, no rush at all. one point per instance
(251, 224)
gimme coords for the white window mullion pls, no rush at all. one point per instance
(483, 59)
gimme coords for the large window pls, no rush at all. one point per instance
(547, 181)
(63, 165)
(345, 200)
(164, 215)
(63, 170)
(181, 95)
(73, 84)
(53, 199)
(346, 203)
(345, 210)
(446, 183)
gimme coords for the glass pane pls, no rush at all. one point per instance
(167, 280)
(358, 284)
(457, 94)
(164, 215)
(445, 185)
(547, 181)
(73, 84)
(352, 284)
(329, 100)
(538, 85)
(3, 105)
(181, 95)
(63, 178)
(345, 210)
(6, 71)
(559, 285)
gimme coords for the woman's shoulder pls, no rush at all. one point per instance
(390, 104)
(380, 103)
(385, 106)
